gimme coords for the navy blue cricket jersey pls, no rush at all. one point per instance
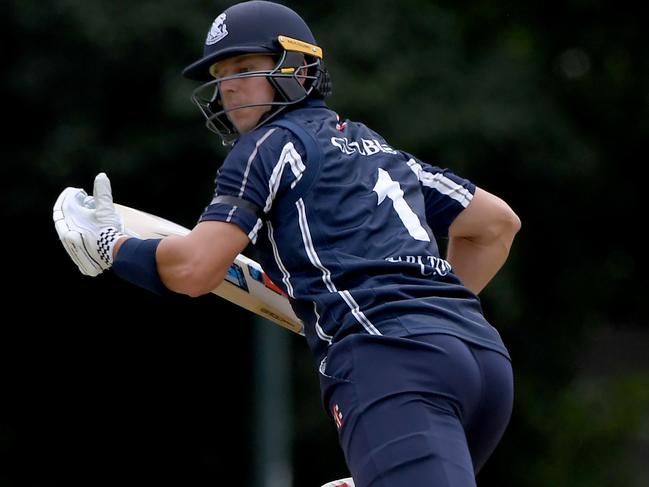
(346, 226)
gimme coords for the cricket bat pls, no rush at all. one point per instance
(245, 284)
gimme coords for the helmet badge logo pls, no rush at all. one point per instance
(218, 31)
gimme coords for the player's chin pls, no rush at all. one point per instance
(246, 119)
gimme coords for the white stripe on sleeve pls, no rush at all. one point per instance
(441, 183)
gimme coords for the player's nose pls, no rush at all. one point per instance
(229, 85)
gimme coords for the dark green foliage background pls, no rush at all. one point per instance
(543, 103)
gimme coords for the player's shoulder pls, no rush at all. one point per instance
(263, 142)
(266, 136)
(271, 139)
(263, 150)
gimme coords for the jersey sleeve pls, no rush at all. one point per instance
(445, 194)
(252, 176)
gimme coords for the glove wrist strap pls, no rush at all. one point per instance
(106, 241)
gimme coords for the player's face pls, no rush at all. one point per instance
(245, 91)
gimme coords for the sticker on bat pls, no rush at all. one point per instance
(236, 277)
(272, 286)
(256, 274)
(260, 276)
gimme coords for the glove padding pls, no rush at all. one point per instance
(89, 226)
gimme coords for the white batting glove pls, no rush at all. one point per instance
(341, 483)
(88, 226)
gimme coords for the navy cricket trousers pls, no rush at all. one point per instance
(425, 411)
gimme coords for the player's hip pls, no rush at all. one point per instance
(442, 367)
(392, 398)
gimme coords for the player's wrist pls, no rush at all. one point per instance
(118, 244)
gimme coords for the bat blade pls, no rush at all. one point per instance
(245, 284)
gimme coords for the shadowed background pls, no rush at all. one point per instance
(543, 103)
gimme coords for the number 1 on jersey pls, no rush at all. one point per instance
(385, 186)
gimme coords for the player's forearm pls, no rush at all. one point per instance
(181, 269)
(476, 262)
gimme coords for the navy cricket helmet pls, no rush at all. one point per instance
(259, 27)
